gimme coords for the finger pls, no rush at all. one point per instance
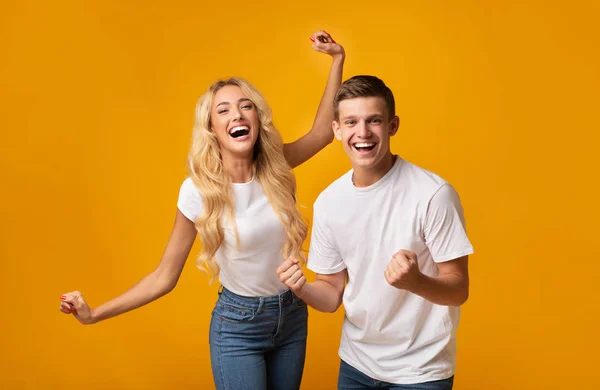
(300, 282)
(284, 266)
(412, 256)
(388, 277)
(330, 37)
(388, 269)
(65, 308)
(407, 254)
(295, 277)
(395, 267)
(401, 260)
(393, 275)
(68, 297)
(321, 39)
(320, 34)
(408, 260)
(291, 271)
(75, 300)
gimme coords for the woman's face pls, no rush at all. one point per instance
(234, 121)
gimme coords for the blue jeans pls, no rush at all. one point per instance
(351, 378)
(258, 343)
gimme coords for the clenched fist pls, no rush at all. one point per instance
(291, 275)
(324, 43)
(402, 271)
(73, 303)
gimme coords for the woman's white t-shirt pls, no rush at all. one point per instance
(250, 269)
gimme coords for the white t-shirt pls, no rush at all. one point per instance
(390, 334)
(249, 270)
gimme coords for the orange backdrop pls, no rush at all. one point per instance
(96, 111)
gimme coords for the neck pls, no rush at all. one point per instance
(365, 177)
(239, 169)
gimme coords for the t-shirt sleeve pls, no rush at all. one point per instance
(189, 202)
(323, 255)
(444, 228)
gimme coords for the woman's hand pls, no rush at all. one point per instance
(73, 303)
(324, 43)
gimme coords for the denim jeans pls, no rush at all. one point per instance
(351, 378)
(258, 343)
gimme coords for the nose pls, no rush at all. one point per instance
(237, 114)
(362, 130)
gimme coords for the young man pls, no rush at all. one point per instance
(397, 233)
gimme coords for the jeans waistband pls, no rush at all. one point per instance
(285, 298)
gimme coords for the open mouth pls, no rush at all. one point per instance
(364, 147)
(239, 131)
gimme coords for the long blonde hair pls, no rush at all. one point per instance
(214, 184)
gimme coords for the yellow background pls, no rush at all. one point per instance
(96, 111)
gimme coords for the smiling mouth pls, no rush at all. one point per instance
(239, 131)
(363, 147)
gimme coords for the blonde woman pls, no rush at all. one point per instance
(240, 199)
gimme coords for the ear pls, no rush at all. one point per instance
(394, 125)
(337, 132)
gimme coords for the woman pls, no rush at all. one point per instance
(240, 199)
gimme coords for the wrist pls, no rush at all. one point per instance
(420, 284)
(301, 292)
(94, 316)
(338, 59)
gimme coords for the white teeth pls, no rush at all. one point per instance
(364, 145)
(238, 128)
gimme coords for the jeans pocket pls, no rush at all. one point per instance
(299, 302)
(234, 313)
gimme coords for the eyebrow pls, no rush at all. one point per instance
(353, 116)
(239, 101)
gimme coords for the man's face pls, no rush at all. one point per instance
(365, 128)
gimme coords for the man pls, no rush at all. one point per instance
(396, 232)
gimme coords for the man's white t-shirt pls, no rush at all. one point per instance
(250, 269)
(390, 334)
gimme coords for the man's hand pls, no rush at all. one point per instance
(403, 272)
(291, 275)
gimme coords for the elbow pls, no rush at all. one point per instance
(169, 287)
(462, 297)
(336, 305)
(165, 284)
(332, 309)
(325, 134)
